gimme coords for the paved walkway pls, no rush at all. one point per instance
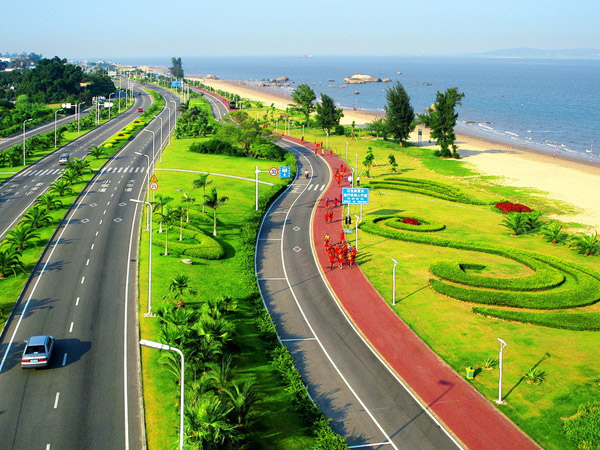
(470, 417)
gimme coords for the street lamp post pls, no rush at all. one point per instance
(148, 189)
(159, 346)
(153, 154)
(149, 313)
(112, 93)
(356, 231)
(394, 282)
(327, 139)
(174, 113)
(78, 113)
(502, 345)
(356, 162)
(346, 151)
(161, 138)
(55, 115)
(24, 122)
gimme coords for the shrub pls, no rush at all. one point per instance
(421, 226)
(535, 376)
(216, 147)
(508, 207)
(489, 363)
(562, 320)
(583, 429)
(410, 221)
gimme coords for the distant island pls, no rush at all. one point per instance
(527, 52)
(359, 78)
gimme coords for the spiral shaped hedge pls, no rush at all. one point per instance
(197, 244)
(555, 284)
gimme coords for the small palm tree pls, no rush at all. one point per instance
(188, 200)
(80, 166)
(586, 244)
(10, 262)
(21, 236)
(179, 286)
(159, 203)
(201, 182)
(535, 376)
(221, 373)
(61, 188)
(71, 176)
(168, 218)
(97, 152)
(207, 425)
(178, 214)
(241, 398)
(515, 223)
(553, 233)
(214, 202)
(49, 202)
(36, 217)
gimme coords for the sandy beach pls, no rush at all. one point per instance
(572, 182)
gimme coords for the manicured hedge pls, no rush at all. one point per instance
(424, 225)
(582, 286)
(197, 244)
(426, 187)
(563, 320)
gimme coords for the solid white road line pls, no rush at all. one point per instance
(56, 400)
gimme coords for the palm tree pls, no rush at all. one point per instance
(71, 176)
(241, 399)
(207, 426)
(201, 182)
(80, 166)
(49, 202)
(61, 187)
(553, 233)
(10, 262)
(213, 201)
(221, 373)
(36, 217)
(586, 244)
(97, 152)
(178, 214)
(179, 285)
(20, 237)
(515, 223)
(217, 307)
(188, 199)
(158, 204)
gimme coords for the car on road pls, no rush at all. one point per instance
(38, 351)
(140, 109)
(63, 159)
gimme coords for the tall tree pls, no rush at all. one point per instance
(328, 116)
(304, 98)
(177, 68)
(202, 182)
(400, 116)
(213, 201)
(441, 119)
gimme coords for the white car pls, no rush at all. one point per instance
(38, 351)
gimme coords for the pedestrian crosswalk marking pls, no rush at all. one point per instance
(322, 187)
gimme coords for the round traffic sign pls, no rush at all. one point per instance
(154, 186)
(273, 171)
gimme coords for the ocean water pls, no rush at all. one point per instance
(547, 105)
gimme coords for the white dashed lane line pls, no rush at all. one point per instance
(56, 400)
(71, 327)
(77, 302)
(82, 280)
(64, 360)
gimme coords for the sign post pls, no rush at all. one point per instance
(272, 171)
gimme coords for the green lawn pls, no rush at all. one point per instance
(277, 425)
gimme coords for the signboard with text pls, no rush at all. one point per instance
(355, 196)
(175, 84)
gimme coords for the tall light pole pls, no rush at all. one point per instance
(502, 345)
(148, 189)
(149, 313)
(153, 155)
(327, 139)
(55, 114)
(161, 138)
(119, 100)
(356, 231)
(24, 122)
(78, 113)
(356, 162)
(394, 282)
(346, 151)
(174, 114)
(159, 346)
(112, 93)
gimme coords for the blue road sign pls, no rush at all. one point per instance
(175, 83)
(285, 172)
(355, 196)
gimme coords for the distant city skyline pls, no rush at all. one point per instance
(118, 30)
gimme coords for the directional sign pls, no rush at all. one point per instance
(154, 186)
(153, 179)
(285, 172)
(175, 83)
(355, 196)
(273, 171)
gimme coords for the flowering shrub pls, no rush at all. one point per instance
(410, 221)
(508, 207)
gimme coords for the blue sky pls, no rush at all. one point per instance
(118, 29)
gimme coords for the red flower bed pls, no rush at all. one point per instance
(410, 221)
(507, 207)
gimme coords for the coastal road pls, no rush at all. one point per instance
(218, 108)
(83, 291)
(368, 405)
(20, 191)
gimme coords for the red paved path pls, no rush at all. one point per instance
(474, 420)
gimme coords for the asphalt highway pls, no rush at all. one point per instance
(83, 291)
(20, 191)
(368, 405)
